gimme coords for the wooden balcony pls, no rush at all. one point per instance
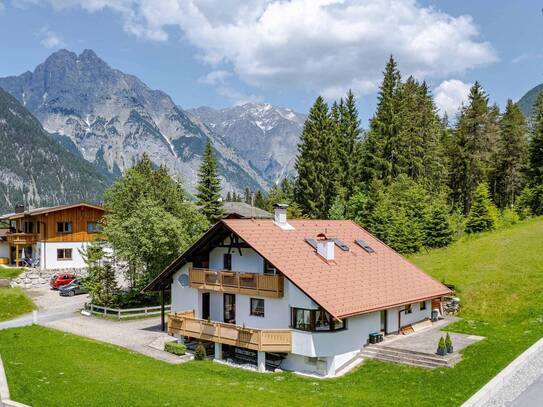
(22, 238)
(237, 282)
(263, 340)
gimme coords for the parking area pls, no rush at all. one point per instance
(50, 300)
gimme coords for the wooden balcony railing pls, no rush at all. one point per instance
(22, 238)
(263, 340)
(237, 282)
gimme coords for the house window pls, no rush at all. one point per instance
(94, 227)
(408, 309)
(64, 227)
(269, 269)
(227, 261)
(422, 305)
(64, 254)
(314, 320)
(257, 307)
(29, 227)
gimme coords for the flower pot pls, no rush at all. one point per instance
(441, 351)
(450, 349)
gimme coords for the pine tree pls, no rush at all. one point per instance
(482, 216)
(472, 148)
(260, 201)
(315, 163)
(347, 134)
(510, 158)
(228, 197)
(536, 144)
(438, 230)
(382, 146)
(209, 187)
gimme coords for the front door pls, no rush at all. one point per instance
(205, 306)
(384, 321)
(230, 308)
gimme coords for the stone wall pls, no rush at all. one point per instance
(32, 278)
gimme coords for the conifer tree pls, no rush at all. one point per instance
(315, 163)
(536, 144)
(482, 216)
(209, 187)
(510, 158)
(438, 230)
(260, 201)
(228, 197)
(472, 148)
(381, 146)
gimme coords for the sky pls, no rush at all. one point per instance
(222, 53)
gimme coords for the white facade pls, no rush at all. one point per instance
(47, 252)
(314, 352)
(4, 250)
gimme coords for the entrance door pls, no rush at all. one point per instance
(230, 308)
(384, 321)
(205, 306)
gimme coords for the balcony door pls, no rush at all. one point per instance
(205, 306)
(229, 301)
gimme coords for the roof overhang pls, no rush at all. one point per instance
(41, 211)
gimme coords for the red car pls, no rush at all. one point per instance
(60, 280)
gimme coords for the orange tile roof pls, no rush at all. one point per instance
(355, 281)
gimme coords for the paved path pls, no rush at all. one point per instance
(532, 396)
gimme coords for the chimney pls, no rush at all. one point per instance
(280, 216)
(19, 208)
(325, 247)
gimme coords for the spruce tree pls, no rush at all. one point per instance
(510, 158)
(437, 229)
(472, 148)
(209, 187)
(260, 201)
(381, 146)
(536, 144)
(315, 163)
(482, 216)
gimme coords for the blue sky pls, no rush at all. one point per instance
(221, 53)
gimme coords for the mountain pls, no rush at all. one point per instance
(111, 118)
(526, 103)
(37, 171)
(264, 135)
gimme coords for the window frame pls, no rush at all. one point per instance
(98, 227)
(251, 300)
(312, 326)
(227, 261)
(422, 306)
(64, 251)
(408, 309)
(64, 224)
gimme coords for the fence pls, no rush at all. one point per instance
(121, 313)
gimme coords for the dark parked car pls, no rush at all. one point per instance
(75, 287)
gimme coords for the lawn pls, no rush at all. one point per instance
(10, 272)
(14, 302)
(500, 281)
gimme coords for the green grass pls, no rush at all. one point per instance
(14, 302)
(500, 278)
(10, 272)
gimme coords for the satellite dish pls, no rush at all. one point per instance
(184, 280)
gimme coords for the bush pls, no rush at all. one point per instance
(509, 217)
(175, 348)
(200, 352)
(441, 345)
(448, 341)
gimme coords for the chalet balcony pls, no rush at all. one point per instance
(263, 340)
(22, 238)
(237, 282)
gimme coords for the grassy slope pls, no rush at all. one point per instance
(10, 272)
(500, 277)
(14, 302)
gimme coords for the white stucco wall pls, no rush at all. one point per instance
(4, 249)
(406, 319)
(49, 260)
(249, 261)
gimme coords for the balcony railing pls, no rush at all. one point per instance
(263, 340)
(22, 238)
(237, 282)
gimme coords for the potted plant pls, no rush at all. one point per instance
(441, 348)
(200, 352)
(449, 344)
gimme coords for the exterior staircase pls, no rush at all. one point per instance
(409, 357)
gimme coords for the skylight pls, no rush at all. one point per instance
(364, 246)
(339, 243)
(312, 243)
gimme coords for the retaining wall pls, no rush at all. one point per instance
(33, 278)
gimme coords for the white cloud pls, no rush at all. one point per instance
(526, 57)
(450, 95)
(50, 39)
(215, 77)
(326, 46)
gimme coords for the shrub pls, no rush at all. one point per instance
(200, 352)
(448, 341)
(175, 348)
(441, 345)
(509, 217)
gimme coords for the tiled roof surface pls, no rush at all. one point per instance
(355, 281)
(47, 209)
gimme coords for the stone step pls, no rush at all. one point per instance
(399, 357)
(410, 354)
(391, 359)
